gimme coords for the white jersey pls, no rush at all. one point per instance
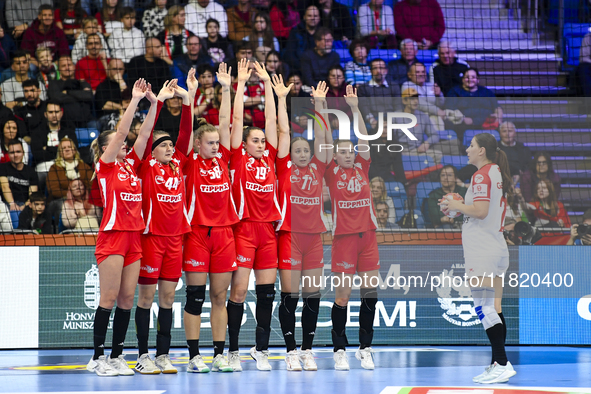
(482, 238)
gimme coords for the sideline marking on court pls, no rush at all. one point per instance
(493, 389)
(96, 392)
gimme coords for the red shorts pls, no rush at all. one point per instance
(163, 256)
(298, 251)
(123, 243)
(210, 249)
(355, 253)
(256, 245)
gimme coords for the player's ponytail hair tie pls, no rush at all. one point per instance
(498, 149)
(161, 140)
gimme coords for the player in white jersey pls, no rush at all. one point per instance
(485, 250)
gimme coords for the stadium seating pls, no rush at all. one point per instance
(14, 218)
(469, 134)
(397, 192)
(86, 136)
(456, 161)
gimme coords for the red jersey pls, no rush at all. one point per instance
(300, 196)
(352, 205)
(209, 194)
(253, 185)
(121, 193)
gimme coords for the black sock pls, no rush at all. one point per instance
(504, 333)
(101, 323)
(218, 347)
(120, 325)
(369, 298)
(309, 318)
(339, 321)
(264, 312)
(193, 347)
(142, 329)
(163, 334)
(287, 319)
(497, 343)
(235, 312)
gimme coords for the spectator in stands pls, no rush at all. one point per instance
(149, 66)
(386, 163)
(92, 68)
(12, 89)
(398, 69)
(262, 35)
(383, 217)
(5, 113)
(205, 93)
(109, 16)
(243, 50)
(284, 17)
(240, 20)
(108, 96)
(357, 70)
(518, 155)
(90, 26)
(44, 32)
(127, 41)
(548, 211)
(575, 238)
(254, 107)
(153, 18)
(46, 67)
(68, 17)
(193, 58)
(376, 24)
(7, 48)
(68, 166)
(34, 108)
(76, 211)
(516, 211)
(35, 217)
(584, 69)
(448, 70)
(111, 120)
(431, 100)
(11, 71)
(73, 95)
(216, 46)
(20, 14)
(175, 36)
(296, 91)
(337, 18)
(540, 168)
(17, 180)
(379, 194)
(421, 21)
(337, 88)
(379, 91)
(199, 11)
(213, 113)
(170, 117)
(134, 131)
(316, 62)
(11, 130)
(447, 177)
(274, 65)
(301, 37)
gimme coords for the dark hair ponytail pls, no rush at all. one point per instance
(497, 156)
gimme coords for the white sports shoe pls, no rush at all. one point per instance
(146, 366)
(478, 378)
(220, 364)
(101, 367)
(293, 361)
(499, 374)
(165, 365)
(262, 359)
(341, 362)
(366, 358)
(197, 365)
(307, 358)
(234, 360)
(120, 365)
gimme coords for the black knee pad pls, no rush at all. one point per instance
(195, 299)
(369, 298)
(311, 302)
(265, 295)
(288, 303)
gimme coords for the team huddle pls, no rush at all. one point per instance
(225, 201)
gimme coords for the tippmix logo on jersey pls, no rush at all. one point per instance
(455, 298)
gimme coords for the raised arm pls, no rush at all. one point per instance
(148, 125)
(284, 138)
(319, 95)
(192, 86)
(185, 143)
(351, 99)
(270, 111)
(237, 121)
(166, 92)
(225, 79)
(140, 88)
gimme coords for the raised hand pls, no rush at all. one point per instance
(351, 96)
(243, 71)
(262, 72)
(167, 90)
(223, 75)
(140, 87)
(150, 95)
(320, 91)
(180, 92)
(192, 82)
(279, 86)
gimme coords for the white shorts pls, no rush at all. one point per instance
(486, 265)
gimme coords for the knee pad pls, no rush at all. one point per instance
(311, 302)
(484, 305)
(288, 304)
(369, 298)
(195, 299)
(265, 295)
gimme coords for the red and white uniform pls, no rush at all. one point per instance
(300, 196)
(212, 212)
(121, 195)
(253, 188)
(354, 222)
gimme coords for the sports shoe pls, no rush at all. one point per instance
(164, 364)
(101, 367)
(197, 365)
(341, 363)
(220, 364)
(499, 374)
(262, 359)
(366, 358)
(307, 358)
(146, 366)
(293, 361)
(478, 378)
(234, 360)
(120, 365)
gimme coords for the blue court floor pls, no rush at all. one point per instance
(408, 370)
